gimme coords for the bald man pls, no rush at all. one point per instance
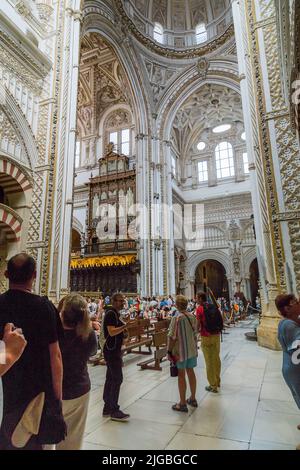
(39, 369)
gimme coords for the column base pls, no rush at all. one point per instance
(267, 333)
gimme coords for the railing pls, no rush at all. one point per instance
(117, 246)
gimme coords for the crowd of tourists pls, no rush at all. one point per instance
(44, 362)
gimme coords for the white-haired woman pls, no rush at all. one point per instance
(182, 349)
(78, 344)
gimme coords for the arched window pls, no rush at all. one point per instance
(224, 160)
(201, 33)
(121, 140)
(202, 171)
(158, 33)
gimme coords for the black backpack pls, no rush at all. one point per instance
(213, 319)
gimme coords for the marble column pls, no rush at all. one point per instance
(59, 249)
(267, 331)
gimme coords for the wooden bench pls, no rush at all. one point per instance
(160, 353)
(137, 337)
(161, 325)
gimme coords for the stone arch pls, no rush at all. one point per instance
(216, 255)
(23, 130)
(191, 82)
(77, 225)
(186, 85)
(95, 23)
(248, 257)
(10, 224)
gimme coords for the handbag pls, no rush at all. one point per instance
(173, 369)
(53, 428)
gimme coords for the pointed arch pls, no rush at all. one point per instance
(12, 110)
(10, 224)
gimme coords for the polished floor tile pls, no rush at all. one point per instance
(254, 409)
(266, 445)
(134, 434)
(276, 427)
(184, 441)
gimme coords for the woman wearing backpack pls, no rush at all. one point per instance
(210, 325)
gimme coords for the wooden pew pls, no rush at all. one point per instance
(136, 339)
(160, 353)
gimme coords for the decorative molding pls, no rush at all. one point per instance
(288, 216)
(21, 49)
(126, 24)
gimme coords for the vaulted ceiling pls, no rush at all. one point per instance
(179, 15)
(210, 106)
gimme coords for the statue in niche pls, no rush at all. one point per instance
(129, 197)
(86, 115)
(234, 231)
(110, 148)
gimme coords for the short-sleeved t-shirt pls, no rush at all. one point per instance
(113, 344)
(75, 354)
(41, 327)
(201, 318)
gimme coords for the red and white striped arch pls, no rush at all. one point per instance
(12, 179)
(10, 226)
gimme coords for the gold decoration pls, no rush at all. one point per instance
(103, 261)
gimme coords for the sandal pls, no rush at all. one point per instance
(191, 402)
(179, 407)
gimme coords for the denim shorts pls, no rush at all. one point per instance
(187, 364)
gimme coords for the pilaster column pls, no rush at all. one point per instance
(262, 218)
(142, 185)
(168, 220)
(59, 247)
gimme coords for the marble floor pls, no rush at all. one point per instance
(254, 409)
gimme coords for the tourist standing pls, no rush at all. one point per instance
(210, 325)
(77, 345)
(39, 369)
(113, 330)
(182, 349)
(289, 338)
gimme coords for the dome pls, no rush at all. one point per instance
(179, 24)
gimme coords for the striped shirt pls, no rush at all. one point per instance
(184, 331)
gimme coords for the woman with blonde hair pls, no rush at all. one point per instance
(182, 349)
(78, 344)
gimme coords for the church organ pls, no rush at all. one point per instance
(108, 261)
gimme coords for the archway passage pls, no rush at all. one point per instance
(211, 274)
(254, 278)
(76, 243)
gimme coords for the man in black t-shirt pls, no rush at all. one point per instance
(113, 329)
(39, 369)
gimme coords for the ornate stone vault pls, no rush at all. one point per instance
(179, 19)
(211, 106)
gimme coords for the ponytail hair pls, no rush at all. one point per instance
(74, 314)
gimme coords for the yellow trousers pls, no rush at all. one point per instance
(210, 346)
